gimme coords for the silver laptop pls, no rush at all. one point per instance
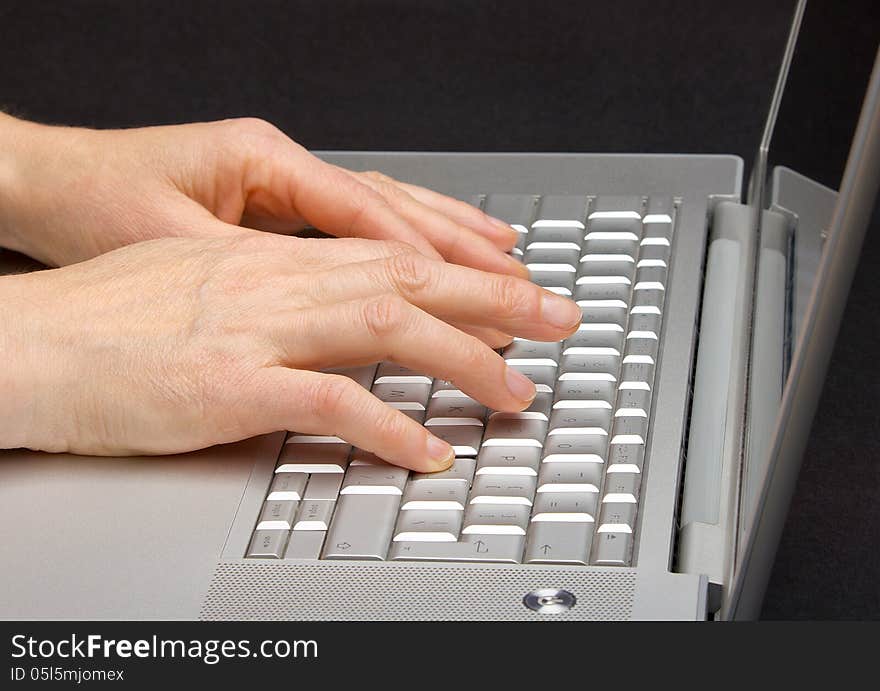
(650, 477)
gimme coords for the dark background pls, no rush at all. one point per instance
(683, 76)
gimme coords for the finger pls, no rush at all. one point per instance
(328, 404)
(455, 294)
(390, 328)
(497, 231)
(457, 243)
(287, 183)
(491, 337)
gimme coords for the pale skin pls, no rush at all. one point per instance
(184, 315)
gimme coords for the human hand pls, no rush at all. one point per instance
(69, 194)
(176, 344)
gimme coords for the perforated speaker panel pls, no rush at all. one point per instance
(255, 590)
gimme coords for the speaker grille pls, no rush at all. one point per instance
(394, 591)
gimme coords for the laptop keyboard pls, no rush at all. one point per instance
(556, 484)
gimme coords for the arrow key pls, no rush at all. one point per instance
(559, 543)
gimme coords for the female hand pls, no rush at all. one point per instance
(69, 194)
(176, 344)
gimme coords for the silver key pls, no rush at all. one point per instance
(287, 486)
(435, 495)
(628, 457)
(621, 487)
(362, 375)
(277, 515)
(510, 430)
(362, 527)
(615, 290)
(540, 255)
(633, 402)
(558, 233)
(539, 408)
(496, 519)
(441, 385)
(606, 265)
(569, 477)
(654, 248)
(637, 369)
(455, 407)
(603, 314)
(503, 489)
(643, 343)
(461, 469)
(654, 276)
(575, 448)
(536, 352)
(612, 549)
(645, 322)
(374, 479)
(313, 458)
(471, 548)
(464, 439)
(600, 337)
(305, 544)
(559, 281)
(314, 515)
(267, 544)
(428, 526)
(615, 242)
(647, 297)
(571, 389)
(509, 460)
(392, 373)
(559, 543)
(578, 507)
(629, 430)
(570, 417)
(400, 393)
(539, 374)
(415, 411)
(617, 517)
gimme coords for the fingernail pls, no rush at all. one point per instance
(440, 453)
(559, 312)
(520, 385)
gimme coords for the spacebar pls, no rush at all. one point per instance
(495, 548)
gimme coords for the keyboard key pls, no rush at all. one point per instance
(617, 517)
(615, 242)
(604, 314)
(552, 254)
(314, 515)
(629, 430)
(558, 233)
(392, 373)
(323, 486)
(509, 430)
(374, 479)
(633, 401)
(637, 369)
(571, 388)
(305, 544)
(464, 439)
(645, 322)
(313, 458)
(570, 417)
(267, 544)
(287, 486)
(612, 549)
(626, 456)
(277, 515)
(428, 526)
(362, 527)
(496, 519)
(575, 448)
(621, 487)
(588, 336)
(471, 548)
(461, 469)
(503, 489)
(535, 352)
(642, 343)
(578, 477)
(559, 281)
(509, 460)
(612, 290)
(559, 543)
(455, 407)
(435, 495)
(566, 506)
(400, 393)
(541, 375)
(592, 265)
(594, 364)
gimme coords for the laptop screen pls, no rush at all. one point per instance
(811, 141)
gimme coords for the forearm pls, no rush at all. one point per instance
(35, 162)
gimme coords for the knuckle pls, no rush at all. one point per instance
(254, 126)
(385, 315)
(377, 176)
(409, 272)
(395, 247)
(510, 297)
(329, 397)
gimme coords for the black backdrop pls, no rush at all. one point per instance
(673, 76)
